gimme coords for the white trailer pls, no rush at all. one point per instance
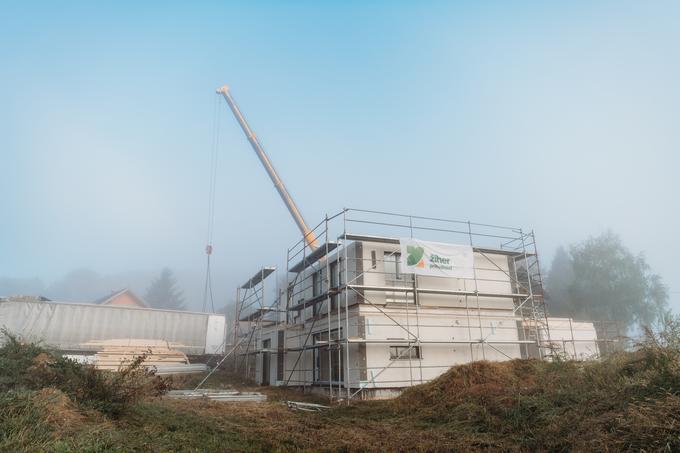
(77, 327)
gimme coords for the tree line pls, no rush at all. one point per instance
(600, 279)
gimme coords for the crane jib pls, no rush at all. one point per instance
(307, 233)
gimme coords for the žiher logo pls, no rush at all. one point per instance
(436, 259)
(415, 256)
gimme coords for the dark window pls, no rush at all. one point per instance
(328, 357)
(266, 361)
(316, 284)
(341, 272)
(280, 355)
(334, 274)
(395, 277)
(393, 266)
(404, 352)
(334, 284)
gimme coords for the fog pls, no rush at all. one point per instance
(533, 116)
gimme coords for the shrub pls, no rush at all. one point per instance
(31, 367)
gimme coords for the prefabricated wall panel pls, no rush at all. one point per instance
(447, 337)
(492, 273)
(448, 333)
(576, 339)
(352, 266)
(70, 327)
(215, 334)
(298, 362)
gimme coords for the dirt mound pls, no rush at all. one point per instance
(627, 401)
(480, 381)
(57, 408)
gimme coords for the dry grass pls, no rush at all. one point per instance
(627, 402)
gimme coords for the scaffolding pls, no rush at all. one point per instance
(339, 296)
(253, 314)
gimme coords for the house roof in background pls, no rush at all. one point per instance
(106, 299)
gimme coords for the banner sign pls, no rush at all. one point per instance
(436, 259)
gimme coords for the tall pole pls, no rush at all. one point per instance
(308, 234)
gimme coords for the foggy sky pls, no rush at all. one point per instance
(560, 118)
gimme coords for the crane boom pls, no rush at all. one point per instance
(307, 233)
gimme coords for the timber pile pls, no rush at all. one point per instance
(114, 354)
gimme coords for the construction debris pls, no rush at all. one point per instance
(218, 395)
(308, 407)
(189, 368)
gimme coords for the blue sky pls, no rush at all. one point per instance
(557, 117)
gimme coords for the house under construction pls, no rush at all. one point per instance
(374, 302)
(353, 322)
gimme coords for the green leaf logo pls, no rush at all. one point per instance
(415, 254)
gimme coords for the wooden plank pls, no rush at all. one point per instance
(114, 355)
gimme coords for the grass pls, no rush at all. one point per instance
(627, 402)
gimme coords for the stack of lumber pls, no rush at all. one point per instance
(114, 354)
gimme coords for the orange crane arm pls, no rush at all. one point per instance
(307, 233)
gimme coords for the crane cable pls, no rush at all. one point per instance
(211, 206)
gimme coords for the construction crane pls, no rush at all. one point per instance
(307, 233)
